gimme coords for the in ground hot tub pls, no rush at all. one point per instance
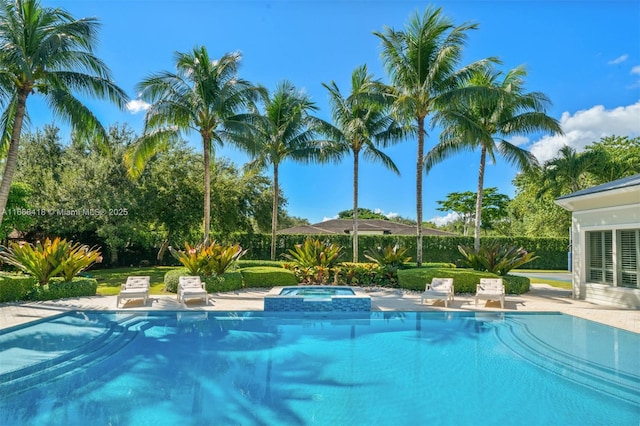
(317, 298)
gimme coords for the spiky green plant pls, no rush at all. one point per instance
(315, 261)
(394, 256)
(208, 259)
(495, 257)
(50, 258)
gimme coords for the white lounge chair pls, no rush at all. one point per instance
(490, 289)
(136, 287)
(440, 288)
(191, 287)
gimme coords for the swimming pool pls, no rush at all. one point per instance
(255, 368)
(317, 298)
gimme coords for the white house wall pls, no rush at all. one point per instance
(597, 219)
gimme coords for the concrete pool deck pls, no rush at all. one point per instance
(541, 298)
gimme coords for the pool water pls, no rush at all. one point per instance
(378, 368)
(312, 291)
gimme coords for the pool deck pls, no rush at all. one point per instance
(541, 298)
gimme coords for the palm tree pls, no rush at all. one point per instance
(48, 52)
(362, 123)
(422, 61)
(567, 172)
(484, 116)
(285, 130)
(203, 95)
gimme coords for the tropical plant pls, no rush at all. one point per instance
(47, 51)
(362, 125)
(422, 61)
(315, 261)
(394, 256)
(566, 173)
(285, 130)
(50, 258)
(77, 258)
(495, 257)
(489, 108)
(208, 259)
(203, 95)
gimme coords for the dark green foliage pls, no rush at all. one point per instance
(57, 288)
(367, 274)
(393, 256)
(464, 280)
(16, 287)
(243, 263)
(229, 281)
(552, 252)
(314, 261)
(267, 276)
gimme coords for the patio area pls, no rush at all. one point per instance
(541, 298)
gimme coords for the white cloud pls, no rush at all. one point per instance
(137, 105)
(620, 59)
(443, 220)
(389, 215)
(519, 140)
(635, 70)
(325, 218)
(588, 126)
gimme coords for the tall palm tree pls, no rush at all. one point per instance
(286, 130)
(48, 52)
(203, 95)
(422, 61)
(484, 116)
(362, 123)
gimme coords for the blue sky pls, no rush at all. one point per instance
(585, 55)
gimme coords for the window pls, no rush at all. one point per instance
(600, 257)
(628, 251)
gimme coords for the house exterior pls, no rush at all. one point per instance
(605, 235)
(365, 227)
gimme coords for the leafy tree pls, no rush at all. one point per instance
(495, 107)
(18, 214)
(363, 124)
(285, 130)
(566, 173)
(422, 61)
(613, 157)
(203, 95)
(464, 204)
(363, 213)
(47, 51)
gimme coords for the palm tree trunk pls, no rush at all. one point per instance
(355, 206)
(483, 159)
(274, 212)
(12, 154)
(207, 186)
(419, 165)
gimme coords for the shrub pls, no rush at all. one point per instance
(15, 287)
(208, 260)
(58, 288)
(53, 257)
(495, 257)
(229, 281)
(244, 263)
(464, 280)
(267, 276)
(314, 261)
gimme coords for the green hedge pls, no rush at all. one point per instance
(24, 287)
(231, 280)
(267, 276)
(15, 287)
(552, 251)
(242, 263)
(464, 280)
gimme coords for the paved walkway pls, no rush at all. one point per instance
(541, 298)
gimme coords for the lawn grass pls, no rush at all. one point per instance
(109, 280)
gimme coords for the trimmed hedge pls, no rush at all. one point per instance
(15, 287)
(242, 263)
(464, 280)
(231, 280)
(552, 251)
(24, 287)
(267, 276)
